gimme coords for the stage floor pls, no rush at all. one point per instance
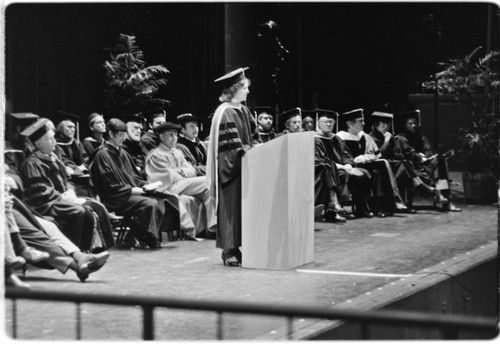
(350, 259)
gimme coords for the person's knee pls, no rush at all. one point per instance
(149, 203)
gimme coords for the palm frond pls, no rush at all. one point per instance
(130, 82)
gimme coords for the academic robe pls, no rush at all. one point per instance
(425, 170)
(266, 135)
(401, 158)
(72, 152)
(326, 174)
(363, 152)
(136, 151)
(358, 185)
(45, 180)
(169, 166)
(90, 145)
(195, 153)
(114, 175)
(232, 133)
(150, 140)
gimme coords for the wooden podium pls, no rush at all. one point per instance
(278, 203)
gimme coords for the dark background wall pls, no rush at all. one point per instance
(341, 55)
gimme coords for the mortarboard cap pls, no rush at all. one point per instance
(24, 116)
(403, 116)
(350, 116)
(264, 109)
(187, 117)
(133, 118)
(16, 122)
(327, 113)
(232, 78)
(285, 116)
(167, 126)
(258, 110)
(383, 117)
(116, 125)
(65, 116)
(36, 130)
(150, 115)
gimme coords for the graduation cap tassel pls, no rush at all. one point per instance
(317, 125)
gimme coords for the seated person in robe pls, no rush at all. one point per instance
(46, 237)
(308, 123)
(155, 118)
(404, 170)
(330, 183)
(125, 191)
(189, 143)
(167, 164)
(292, 121)
(365, 153)
(265, 119)
(72, 154)
(431, 168)
(132, 143)
(18, 144)
(47, 191)
(97, 126)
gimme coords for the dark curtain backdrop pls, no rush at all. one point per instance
(55, 53)
(341, 55)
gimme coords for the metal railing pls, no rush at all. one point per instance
(448, 325)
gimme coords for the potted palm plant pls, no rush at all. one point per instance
(474, 82)
(131, 85)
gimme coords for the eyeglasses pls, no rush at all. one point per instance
(327, 121)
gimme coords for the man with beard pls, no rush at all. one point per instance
(155, 118)
(132, 143)
(70, 149)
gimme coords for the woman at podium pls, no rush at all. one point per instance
(232, 133)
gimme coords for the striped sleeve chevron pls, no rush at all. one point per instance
(229, 138)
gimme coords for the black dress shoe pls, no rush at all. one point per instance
(150, 240)
(411, 211)
(333, 216)
(363, 214)
(91, 263)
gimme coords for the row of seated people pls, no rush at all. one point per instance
(377, 172)
(42, 179)
(149, 185)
